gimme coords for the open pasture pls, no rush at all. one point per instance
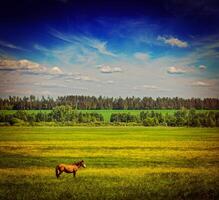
(122, 163)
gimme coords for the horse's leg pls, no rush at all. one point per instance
(60, 172)
(57, 172)
(74, 173)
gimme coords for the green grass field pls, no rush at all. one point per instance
(107, 113)
(122, 163)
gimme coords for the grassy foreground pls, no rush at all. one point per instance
(122, 163)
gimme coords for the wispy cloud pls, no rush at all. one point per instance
(85, 78)
(100, 46)
(151, 88)
(41, 48)
(11, 46)
(109, 69)
(110, 82)
(206, 48)
(141, 56)
(201, 84)
(173, 41)
(49, 85)
(71, 53)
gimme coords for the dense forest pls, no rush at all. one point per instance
(65, 115)
(180, 118)
(97, 103)
(61, 115)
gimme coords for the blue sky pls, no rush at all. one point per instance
(109, 48)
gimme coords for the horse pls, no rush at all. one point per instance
(72, 168)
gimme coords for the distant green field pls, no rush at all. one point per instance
(122, 163)
(107, 113)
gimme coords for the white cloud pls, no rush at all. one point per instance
(173, 41)
(74, 55)
(201, 84)
(50, 85)
(117, 69)
(151, 87)
(141, 56)
(105, 69)
(179, 70)
(175, 70)
(56, 70)
(14, 65)
(108, 69)
(28, 66)
(146, 87)
(110, 82)
(79, 88)
(85, 78)
(202, 67)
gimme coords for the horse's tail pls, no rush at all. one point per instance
(57, 171)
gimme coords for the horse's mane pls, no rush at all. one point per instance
(77, 163)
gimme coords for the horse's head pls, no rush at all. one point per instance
(82, 164)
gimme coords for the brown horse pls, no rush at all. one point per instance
(72, 168)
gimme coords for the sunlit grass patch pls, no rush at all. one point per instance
(122, 163)
(123, 153)
(46, 171)
(147, 183)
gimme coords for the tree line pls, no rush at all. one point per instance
(96, 103)
(180, 118)
(65, 115)
(61, 115)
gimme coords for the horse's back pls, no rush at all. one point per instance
(67, 168)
